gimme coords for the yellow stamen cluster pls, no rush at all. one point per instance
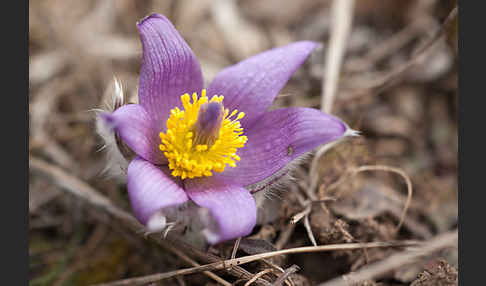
(187, 160)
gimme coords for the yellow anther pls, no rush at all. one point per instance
(200, 148)
(190, 159)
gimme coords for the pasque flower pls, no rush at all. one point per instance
(212, 147)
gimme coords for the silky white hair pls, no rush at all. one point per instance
(117, 164)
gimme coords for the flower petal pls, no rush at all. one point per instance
(135, 127)
(252, 85)
(169, 68)
(151, 189)
(279, 137)
(232, 207)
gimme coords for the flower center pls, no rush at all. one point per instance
(203, 137)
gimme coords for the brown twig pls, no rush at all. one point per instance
(247, 259)
(289, 281)
(309, 230)
(235, 271)
(292, 269)
(397, 260)
(307, 204)
(235, 247)
(298, 216)
(258, 275)
(394, 76)
(383, 49)
(342, 13)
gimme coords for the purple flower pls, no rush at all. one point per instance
(212, 151)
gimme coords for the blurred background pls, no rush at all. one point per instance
(407, 122)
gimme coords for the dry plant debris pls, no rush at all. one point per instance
(396, 83)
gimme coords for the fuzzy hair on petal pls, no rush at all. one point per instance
(284, 175)
(278, 179)
(271, 187)
(117, 164)
(190, 222)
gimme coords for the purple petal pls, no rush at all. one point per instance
(232, 207)
(135, 127)
(151, 189)
(169, 68)
(279, 137)
(252, 85)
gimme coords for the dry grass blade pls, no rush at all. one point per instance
(399, 259)
(247, 259)
(342, 13)
(280, 280)
(407, 181)
(235, 248)
(258, 275)
(309, 230)
(386, 169)
(278, 269)
(297, 217)
(305, 214)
